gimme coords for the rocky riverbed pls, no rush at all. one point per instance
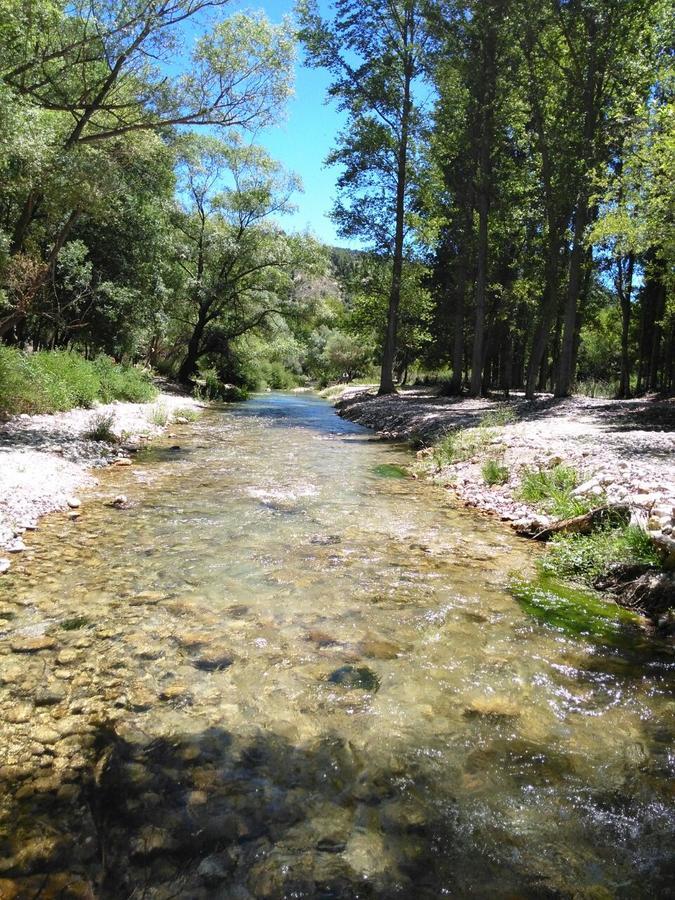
(624, 451)
(45, 459)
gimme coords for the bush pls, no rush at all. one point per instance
(118, 382)
(56, 380)
(101, 428)
(585, 556)
(494, 473)
(550, 490)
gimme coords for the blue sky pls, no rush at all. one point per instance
(304, 140)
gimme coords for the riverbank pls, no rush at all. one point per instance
(45, 459)
(623, 451)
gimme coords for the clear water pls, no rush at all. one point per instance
(284, 671)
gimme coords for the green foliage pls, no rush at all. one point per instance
(123, 382)
(494, 473)
(585, 556)
(571, 610)
(51, 381)
(550, 490)
(101, 428)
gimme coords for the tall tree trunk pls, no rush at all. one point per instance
(387, 385)
(487, 99)
(549, 305)
(624, 284)
(189, 365)
(455, 386)
(565, 375)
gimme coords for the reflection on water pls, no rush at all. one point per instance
(286, 671)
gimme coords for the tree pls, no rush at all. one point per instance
(238, 264)
(95, 74)
(375, 52)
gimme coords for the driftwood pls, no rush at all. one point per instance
(585, 523)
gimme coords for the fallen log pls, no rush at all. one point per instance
(586, 522)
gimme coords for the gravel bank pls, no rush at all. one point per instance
(44, 459)
(623, 450)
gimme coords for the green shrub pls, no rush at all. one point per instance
(101, 428)
(585, 556)
(210, 387)
(123, 382)
(551, 491)
(494, 473)
(68, 378)
(55, 380)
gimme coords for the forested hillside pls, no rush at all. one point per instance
(506, 168)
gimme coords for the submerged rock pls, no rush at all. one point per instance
(360, 677)
(379, 648)
(212, 662)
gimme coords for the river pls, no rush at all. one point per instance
(287, 671)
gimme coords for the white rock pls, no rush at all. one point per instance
(4, 566)
(16, 546)
(73, 502)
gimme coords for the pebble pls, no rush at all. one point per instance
(5, 565)
(73, 502)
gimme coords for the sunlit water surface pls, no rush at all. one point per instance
(284, 673)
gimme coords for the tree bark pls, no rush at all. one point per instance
(387, 385)
(487, 98)
(566, 374)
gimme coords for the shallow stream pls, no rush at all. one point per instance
(284, 670)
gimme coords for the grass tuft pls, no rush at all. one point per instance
(494, 473)
(551, 491)
(101, 428)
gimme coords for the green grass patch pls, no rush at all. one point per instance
(551, 491)
(462, 444)
(497, 418)
(586, 556)
(57, 380)
(571, 609)
(389, 470)
(494, 473)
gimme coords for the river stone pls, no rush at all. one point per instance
(360, 677)
(73, 502)
(492, 707)
(19, 714)
(50, 695)
(32, 645)
(379, 648)
(5, 565)
(212, 662)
